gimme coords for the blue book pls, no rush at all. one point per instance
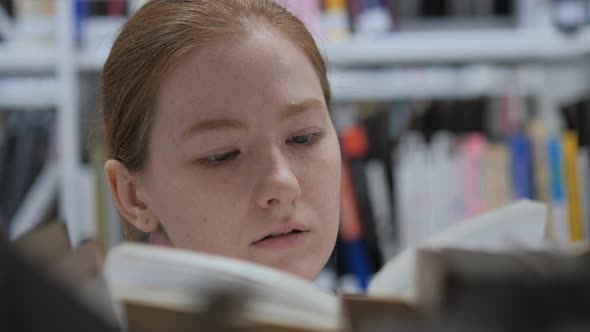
(555, 169)
(521, 167)
(80, 12)
(356, 262)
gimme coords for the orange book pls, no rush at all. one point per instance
(350, 219)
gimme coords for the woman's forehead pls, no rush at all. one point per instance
(250, 73)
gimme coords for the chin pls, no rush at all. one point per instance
(307, 271)
(306, 267)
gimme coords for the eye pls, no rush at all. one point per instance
(303, 139)
(220, 158)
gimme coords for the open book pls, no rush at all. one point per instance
(174, 280)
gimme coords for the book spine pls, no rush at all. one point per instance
(357, 169)
(521, 167)
(538, 135)
(351, 232)
(116, 8)
(584, 177)
(81, 13)
(379, 198)
(410, 189)
(496, 176)
(334, 20)
(570, 155)
(374, 18)
(473, 150)
(559, 219)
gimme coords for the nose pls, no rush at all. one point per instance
(278, 185)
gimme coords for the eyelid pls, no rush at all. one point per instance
(313, 137)
(307, 131)
(209, 160)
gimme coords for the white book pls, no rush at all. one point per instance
(381, 205)
(584, 177)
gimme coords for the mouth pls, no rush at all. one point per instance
(283, 239)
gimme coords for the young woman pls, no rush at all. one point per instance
(219, 135)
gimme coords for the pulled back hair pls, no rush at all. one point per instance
(158, 36)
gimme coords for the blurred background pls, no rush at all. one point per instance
(445, 109)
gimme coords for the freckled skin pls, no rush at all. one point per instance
(224, 208)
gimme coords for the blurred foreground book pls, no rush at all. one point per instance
(156, 289)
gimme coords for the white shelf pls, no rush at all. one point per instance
(430, 83)
(28, 93)
(27, 60)
(92, 60)
(458, 46)
(467, 82)
(429, 47)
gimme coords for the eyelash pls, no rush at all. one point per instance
(219, 159)
(225, 157)
(312, 138)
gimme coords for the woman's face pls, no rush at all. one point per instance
(242, 150)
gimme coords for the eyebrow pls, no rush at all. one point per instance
(291, 110)
(212, 125)
(302, 106)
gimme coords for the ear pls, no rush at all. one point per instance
(125, 189)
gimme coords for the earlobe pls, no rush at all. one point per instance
(124, 189)
(145, 221)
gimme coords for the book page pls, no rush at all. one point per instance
(520, 224)
(182, 280)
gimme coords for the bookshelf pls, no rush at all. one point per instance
(91, 60)
(16, 93)
(399, 66)
(30, 60)
(478, 45)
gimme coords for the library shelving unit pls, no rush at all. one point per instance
(55, 88)
(538, 62)
(531, 61)
(459, 46)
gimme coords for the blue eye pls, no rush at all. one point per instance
(220, 158)
(303, 139)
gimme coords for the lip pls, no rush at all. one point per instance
(286, 241)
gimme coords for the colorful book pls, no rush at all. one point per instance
(473, 148)
(558, 216)
(334, 20)
(538, 134)
(496, 174)
(353, 228)
(570, 158)
(521, 164)
(351, 231)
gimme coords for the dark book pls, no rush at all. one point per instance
(27, 147)
(8, 7)
(355, 147)
(434, 8)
